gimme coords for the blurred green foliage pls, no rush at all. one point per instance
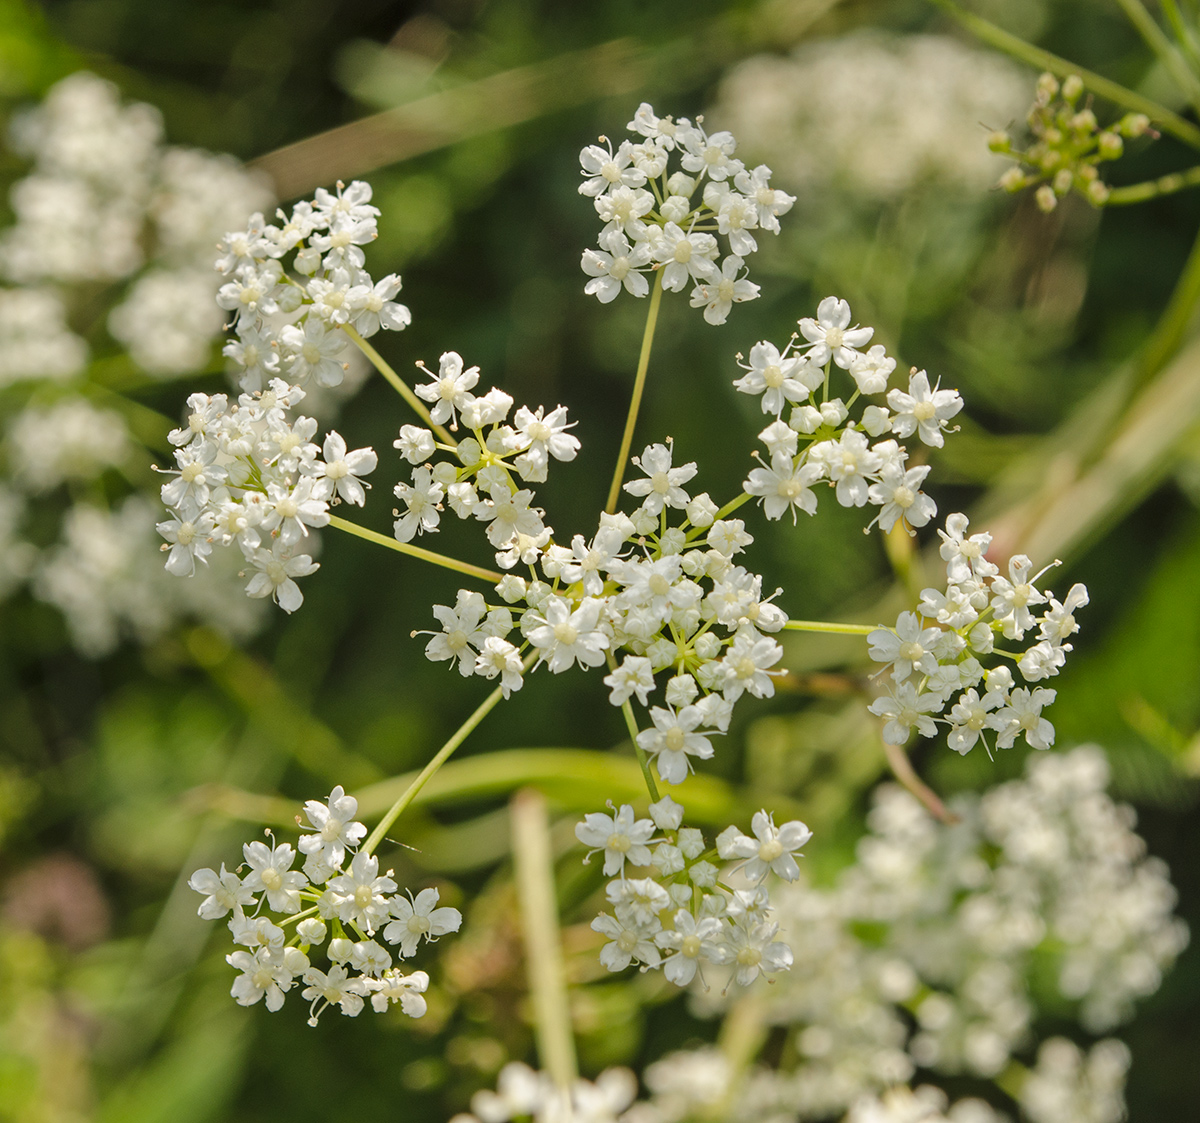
(110, 772)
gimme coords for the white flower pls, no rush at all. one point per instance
(544, 437)
(718, 297)
(336, 830)
(907, 646)
(922, 410)
(460, 631)
(969, 718)
(746, 664)
(674, 739)
(408, 990)
(360, 895)
(423, 499)
(565, 636)
(906, 710)
(898, 494)
(635, 675)
(1023, 714)
(604, 169)
(415, 444)
(449, 389)
(509, 514)
(334, 988)
(420, 918)
(638, 900)
(964, 557)
(499, 657)
(265, 974)
(685, 257)
(831, 335)
(754, 950)
(872, 370)
(189, 540)
(222, 891)
(691, 941)
(784, 486)
(276, 569)
(271, 870)
(621, 264)
(848, 462)
(619, 836)
(631, 939)
(771, 848)
(664, 484)
(342, 469)
(779, 378)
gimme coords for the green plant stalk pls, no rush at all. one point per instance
(1156, 39)
(398, 384)
(834, 629)
(534, 862)
(443, 754)
(1152, 188)
(639, 384)
(1172, 327)
(416, 551)
(1044, 60)
(1185, 34)
(643, 762)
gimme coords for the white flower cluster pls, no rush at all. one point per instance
(486, 463)
(249, 475)
(289, 325)
(680, 916)
(654, 221)
(523, 1093)
(819, 442)
(937, 946)
(35, 341)
(934, 653)
(1069, 1084)
(925, 1104)
(918, 119)
(353, 903)
(670, 596)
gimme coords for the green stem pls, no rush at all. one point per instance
(1097, 83)
(429, 771)
(1175, 322)
(534, 862)
(1152, 188)
(733, 505)
(398, 384)
(1185, 34)
(639, 384)
(834, 629)
(416, 551)
(1156, 39)
(642, 759)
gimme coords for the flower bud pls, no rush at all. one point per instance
(1046, 199)
(1110, 145)
(1072, 87)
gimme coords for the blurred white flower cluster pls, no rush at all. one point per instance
(109, 220)
(935, 949)
(666, 229)
(523, 1093)
(920, 114)
(682, 916)
(321, 897)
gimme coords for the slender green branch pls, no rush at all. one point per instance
(1097, 83)
(534, 862)
(398, 384)
(733, 505)
(1175, 322)
(1156, 39)
(416, 551)
(1152, 188)
(643, 761)
(429, 771)
(1186, 35)
(639, 384)
(833, 629)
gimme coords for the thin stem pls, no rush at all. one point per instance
(643, 761)
(1097, 83)
(534, 863)
(639, 384)
(1152, 188)
(416, 551)
(398, 384)
(1175, 321)
(1185, 34)
(1156, 39)
(733, 505)
(834, 629)
(427, 773)
(903, 770)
